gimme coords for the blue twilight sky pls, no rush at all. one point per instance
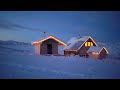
(29, 26)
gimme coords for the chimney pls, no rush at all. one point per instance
(44, 34)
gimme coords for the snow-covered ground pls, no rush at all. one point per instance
(19, 62)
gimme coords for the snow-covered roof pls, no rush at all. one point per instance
(76, 39)
(96, 49)
(49, 37)
(75, 42)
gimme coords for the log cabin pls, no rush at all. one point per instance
(83, 47)
(48, 45)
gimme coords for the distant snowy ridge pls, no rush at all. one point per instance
(15, 47)
(13, 42)
(2, 47)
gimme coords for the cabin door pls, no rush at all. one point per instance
(49, 48)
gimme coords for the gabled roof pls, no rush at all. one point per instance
(97, 49)
(75, 43)
(50, 37)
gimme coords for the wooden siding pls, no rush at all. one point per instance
(83, 50)
(37, 49)
(93, 55)
(70, 52)
(102, 54)
(43, 48)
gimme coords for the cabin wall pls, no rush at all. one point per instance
(93, 55)
(69, 52)
(102, 54)
(43, 48)
(37, 49)
(83, 50)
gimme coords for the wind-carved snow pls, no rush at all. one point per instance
(19, 61)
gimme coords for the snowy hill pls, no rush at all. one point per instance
(11, 42)
(15, 47)
(17, 60)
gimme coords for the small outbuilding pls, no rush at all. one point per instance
(48, 45)
(97, 52)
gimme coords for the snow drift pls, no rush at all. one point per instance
(17, 61)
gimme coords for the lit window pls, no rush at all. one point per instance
(91, 44)
(86, 44)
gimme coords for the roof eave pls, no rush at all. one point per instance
(86, 40)
(50, 37)
(105, 50)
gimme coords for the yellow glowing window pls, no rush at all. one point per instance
(91, 44)
(86, 44)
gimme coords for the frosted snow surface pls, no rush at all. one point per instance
(53, 67)
(17, 64)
